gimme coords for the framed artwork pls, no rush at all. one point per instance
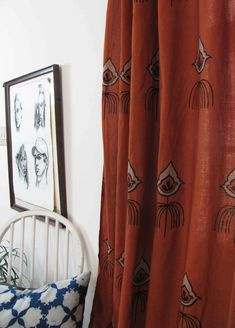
(34, 126)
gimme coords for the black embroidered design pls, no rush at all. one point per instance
(169, 182)
(140, 284)
(121, 261)
(229, 185)
(188, 298)
(202, 57)
(151, 100)
(154, 67)
(108, 247)
(119, 281)
(110, 74)
(125, 102)
(187, 320)
(225, 220)
(141, 274)
(202, 95)
(152, 94)
(110, 103)
(169, 214)
(134, 212)
(132, 180)
(139, 304)
(126, 73)
(106, 262)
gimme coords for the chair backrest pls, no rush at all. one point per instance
(27, 223)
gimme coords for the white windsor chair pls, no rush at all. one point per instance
(28, 223)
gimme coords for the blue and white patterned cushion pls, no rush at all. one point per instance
(59, 304)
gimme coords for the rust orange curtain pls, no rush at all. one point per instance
(167, 233)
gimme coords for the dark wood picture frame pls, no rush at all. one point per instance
(28, 199)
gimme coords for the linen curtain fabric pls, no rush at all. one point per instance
(167, 232)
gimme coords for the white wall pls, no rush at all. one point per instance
(35, 34)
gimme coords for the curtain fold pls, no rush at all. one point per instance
(167, 231)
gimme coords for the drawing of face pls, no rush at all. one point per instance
(40, 153)
(41, 108)
(18, 111)
(40, 164)
(39, 118)
(22, 164)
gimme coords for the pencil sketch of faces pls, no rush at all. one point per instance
(18, 111)
(41, 161)
(22, 165)
(40, 109)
